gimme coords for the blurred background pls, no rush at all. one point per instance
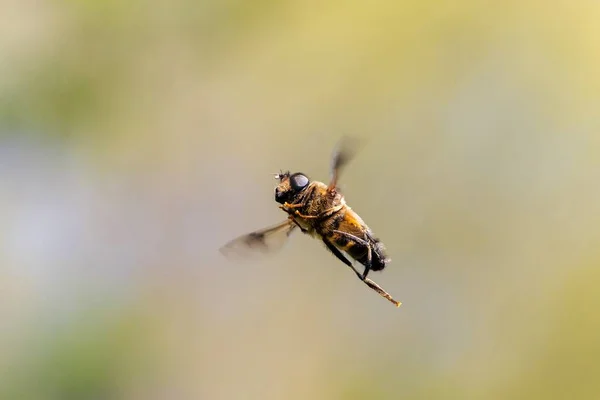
(137, 138)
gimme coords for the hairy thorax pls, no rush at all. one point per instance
(320, 206)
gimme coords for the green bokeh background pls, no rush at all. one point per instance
(138, 137)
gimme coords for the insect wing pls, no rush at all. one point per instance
(264, 241)
(343, 153)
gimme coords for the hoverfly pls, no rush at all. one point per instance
(320, 211)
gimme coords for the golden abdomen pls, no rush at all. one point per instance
(349, 222)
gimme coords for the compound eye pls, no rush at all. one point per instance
(298, 182)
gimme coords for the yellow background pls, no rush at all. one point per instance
(138, 137)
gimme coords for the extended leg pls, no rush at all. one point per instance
(381, 292)
(360, 276)
(364, 243)
(341, 257)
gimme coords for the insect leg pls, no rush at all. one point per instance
(381, 292)
(291, 208)
(306, 216)
(364, 243)
(341, 257)
(351, 236)
(368, 263)
(363, 277)
(287, 205)
(296, 222)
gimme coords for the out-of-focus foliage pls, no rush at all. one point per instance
(137, 138)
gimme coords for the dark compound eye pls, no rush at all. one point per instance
(298, 182)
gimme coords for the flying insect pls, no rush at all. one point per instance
(320, 210)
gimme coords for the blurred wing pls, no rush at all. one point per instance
(268, 240)
(342, 154)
